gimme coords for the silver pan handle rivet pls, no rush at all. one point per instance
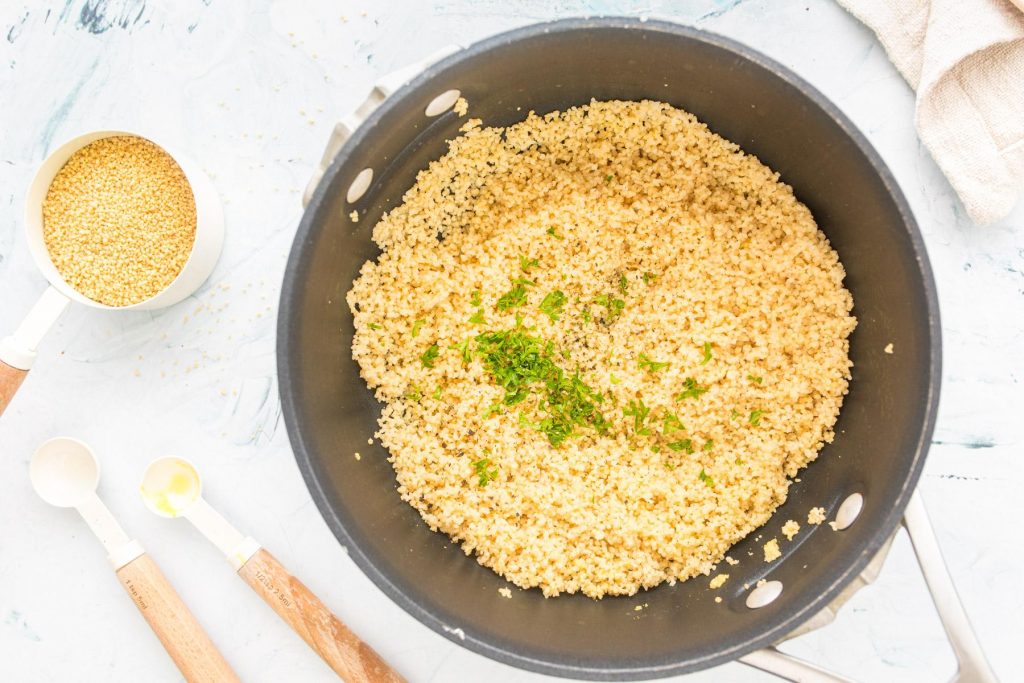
(360, 185)
(764, 594)
(849, 511)
(442, 103)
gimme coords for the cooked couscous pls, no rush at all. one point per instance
(605, 339)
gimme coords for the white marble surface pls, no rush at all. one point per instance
(251, 93)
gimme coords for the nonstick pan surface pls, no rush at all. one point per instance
(881, 437)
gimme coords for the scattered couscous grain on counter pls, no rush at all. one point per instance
(718, 581)
(771, 550)
(119, 220)
(790, 529)
(605, 339)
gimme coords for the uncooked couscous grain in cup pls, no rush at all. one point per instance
(119, 220)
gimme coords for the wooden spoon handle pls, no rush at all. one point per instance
(184, 639)
(350, 657)
(10, 380)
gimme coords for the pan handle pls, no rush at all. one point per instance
(972, 665)
(384, 86)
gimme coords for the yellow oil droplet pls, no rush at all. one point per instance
(175, 493)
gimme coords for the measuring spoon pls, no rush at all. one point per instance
(171, 487)
(65, 473)
(18, 351)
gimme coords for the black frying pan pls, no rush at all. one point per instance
(882, 434)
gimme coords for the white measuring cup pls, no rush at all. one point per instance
(18, 351)
(65, 473)
(171, 487)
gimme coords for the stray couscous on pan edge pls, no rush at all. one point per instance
(605, 339)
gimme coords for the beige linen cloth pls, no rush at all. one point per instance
(965, 60)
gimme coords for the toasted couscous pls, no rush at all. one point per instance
(605, 340)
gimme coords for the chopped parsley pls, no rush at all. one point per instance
(623, 285)
(614, 306)
(475, 299)
(551, 231)
(639, 412)
(437, 393)
(669, 466)
(613, 379)
(645, 363)
(373, 326)
(690, 389)
(523, 281)
(707, 353)
(526, 263)
(416, 327)
(734, 414)
(671, 423)
(739, 461)
(413, 393)
(521, 364)
(552, 304)
(477, 318)
(430, 355)
(706, 479)
(755, 417)
(586, 315)
(485, 473)
(755, 380)
(649, 278)
(608, 178)
(513, 298)
(683, 445)
(464, 350)
(708, 445)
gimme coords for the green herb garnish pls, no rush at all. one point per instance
(586, 315)
(690, 389)
(526, 263)
(552, 304)
(477, 318)
(413, 393)
(707, 353)
(523, 281)
(484, 472)
(706, 479)
(649, 278)
(475, 299)
(639, 412)
(494, 409)
(613, 305)
(430, 355)
(671, 423)
(734, 414)
(653, 366)
(521, 364)
(683, 445)
(708, 445)
(739, 461)
(437, 394)
(613, 379)
(756, 380)
(463, 348)
(755, 417)
(608, 178)
(551, 231)
(416, 327)
(373, 326)
(513, 298)
(669, 466)
(623, 285)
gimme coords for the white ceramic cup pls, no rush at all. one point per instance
(18, 351)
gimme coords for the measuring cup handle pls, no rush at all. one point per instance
(186, 642)
(18, 351)
(352, 659)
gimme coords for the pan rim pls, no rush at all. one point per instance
(287, 316)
